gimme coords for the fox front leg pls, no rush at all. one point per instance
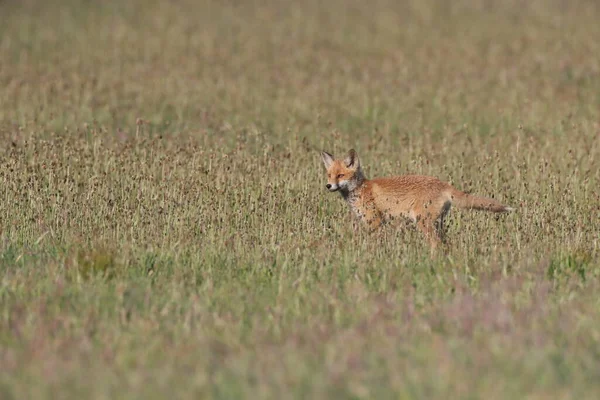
(354, 221)
(369, 219)
(373, 221)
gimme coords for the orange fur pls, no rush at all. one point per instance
(423, 199)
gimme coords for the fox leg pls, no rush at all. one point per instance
(440, 223)
(369, 216)
(355, 221)
(427, 226)
(373, 221)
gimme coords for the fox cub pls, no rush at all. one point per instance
(423, 199)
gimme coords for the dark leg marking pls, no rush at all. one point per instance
(440, 222)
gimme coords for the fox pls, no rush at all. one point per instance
(424, 200)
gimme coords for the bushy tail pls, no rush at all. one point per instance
(467, 201)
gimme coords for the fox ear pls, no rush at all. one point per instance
(352, 160)
(327, 159)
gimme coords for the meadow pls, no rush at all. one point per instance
(165, 231)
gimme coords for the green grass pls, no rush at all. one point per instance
(165, 231)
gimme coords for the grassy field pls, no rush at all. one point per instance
(165, 231)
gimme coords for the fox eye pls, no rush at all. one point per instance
(340, 176)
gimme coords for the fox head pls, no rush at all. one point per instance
(345, 175)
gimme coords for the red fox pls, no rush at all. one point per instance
(423, 199)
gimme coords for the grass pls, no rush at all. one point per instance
(164, 228)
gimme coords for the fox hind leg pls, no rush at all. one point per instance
(427, 226)
(434, 228)
(440, 223)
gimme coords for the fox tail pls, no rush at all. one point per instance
(471, 202)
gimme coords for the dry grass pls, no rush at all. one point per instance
(165, 229)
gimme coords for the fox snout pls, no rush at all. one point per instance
(332, 187)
